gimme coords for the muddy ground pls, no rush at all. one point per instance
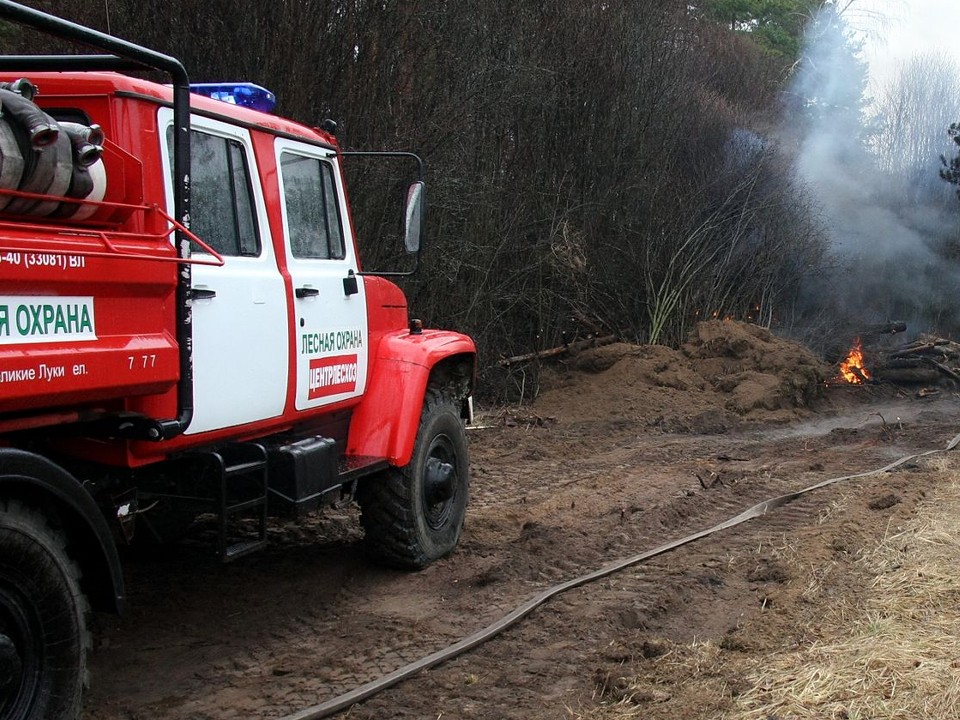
(626, 448)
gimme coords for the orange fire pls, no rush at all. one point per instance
(852, 369)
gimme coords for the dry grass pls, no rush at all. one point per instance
(897, 654)
(889, 650)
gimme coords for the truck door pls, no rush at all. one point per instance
(240, 342)
(328, 298)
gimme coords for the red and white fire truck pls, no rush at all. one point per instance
(186, 330)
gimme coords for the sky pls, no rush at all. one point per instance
(895, 30)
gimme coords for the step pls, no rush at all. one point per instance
(245, 505)
(239, 549)
(238, 462)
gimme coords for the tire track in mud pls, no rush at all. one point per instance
(662, 585)
(614, 618)
(799, 512)
(366, 627)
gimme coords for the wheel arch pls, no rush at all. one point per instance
(386, 422)
(51, 490)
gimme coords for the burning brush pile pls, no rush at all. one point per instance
(927, 361)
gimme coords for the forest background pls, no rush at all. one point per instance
(601, 168)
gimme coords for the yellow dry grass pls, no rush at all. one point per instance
(896, 652)
(891, 651)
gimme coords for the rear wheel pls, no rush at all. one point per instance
(414, 515)
(42, 620)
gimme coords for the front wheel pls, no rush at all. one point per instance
(42, 620)
(414, 515)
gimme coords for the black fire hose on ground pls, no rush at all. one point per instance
(342, 702)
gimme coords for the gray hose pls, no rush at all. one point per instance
(87, 142)
(41, 128)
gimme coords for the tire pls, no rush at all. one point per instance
(43, 637)
(414, 515)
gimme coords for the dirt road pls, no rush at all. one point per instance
(553, 497)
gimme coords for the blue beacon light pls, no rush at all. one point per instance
(240, 93)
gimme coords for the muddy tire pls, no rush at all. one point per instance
(414, 515)
(43, 637)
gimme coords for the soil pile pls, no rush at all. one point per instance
(725, 373)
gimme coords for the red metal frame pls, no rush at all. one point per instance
(28, 225)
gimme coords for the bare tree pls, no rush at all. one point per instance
(912, 116)
(581, 154)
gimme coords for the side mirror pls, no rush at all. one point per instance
(413, 225)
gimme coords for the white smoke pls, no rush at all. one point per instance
(871, 161)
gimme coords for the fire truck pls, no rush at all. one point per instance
(186, 331)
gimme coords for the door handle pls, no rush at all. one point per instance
(305, 292)
(350, 285)
(199, 293)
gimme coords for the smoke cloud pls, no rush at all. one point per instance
(871, 163)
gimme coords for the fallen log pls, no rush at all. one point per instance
(923, 375)
(559, 350)
(914, 350)
(863, 378)
(889, 328)
(941, 344)
(945, 370)
(899, 363)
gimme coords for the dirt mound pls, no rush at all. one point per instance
(759, 369)
(726, 371)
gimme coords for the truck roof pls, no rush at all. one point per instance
(53, 85)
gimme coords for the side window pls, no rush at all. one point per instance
(313, 215)
(221, 195)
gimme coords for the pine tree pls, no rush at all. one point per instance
(951, 167)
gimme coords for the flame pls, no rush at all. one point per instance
(852, 369)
